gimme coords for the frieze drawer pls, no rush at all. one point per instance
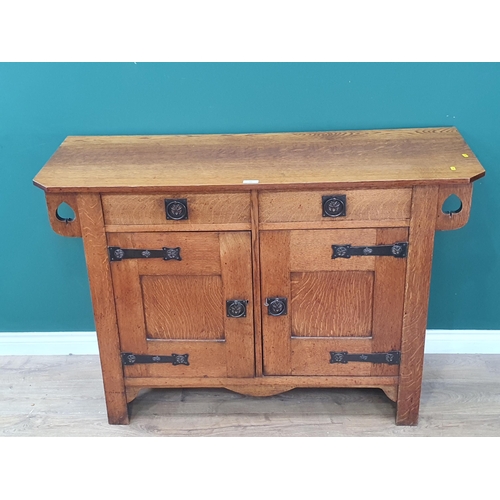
(327, 206)
(176, 210)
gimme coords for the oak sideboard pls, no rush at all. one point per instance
(261, 262)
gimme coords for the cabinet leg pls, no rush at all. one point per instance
(407, 412)
(117, 409)
(101, 289)
(418, 272)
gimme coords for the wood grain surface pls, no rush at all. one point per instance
(284, 381)
(453, 220)
(256, 276)
(324, 224)
(236, 266)
(363, 158)
(66, 228)
(64, 396)
(388, 300)
(416, 302)
(332, 304)
(157, 228)
(312, 356)
(362, 204)
(199, 252)
(128, 297)
(275, 266)
(183, 307)
(312, 250)
(101, 288)
(206, 359)
(224, 208)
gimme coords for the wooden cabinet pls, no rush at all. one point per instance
(263, 262)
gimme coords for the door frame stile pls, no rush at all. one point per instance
(257, 292)
(236, 273)
(276, 282)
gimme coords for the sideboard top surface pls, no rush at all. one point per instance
(365, 158)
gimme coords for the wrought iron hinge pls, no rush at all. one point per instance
(129, 358)
(117, 253)
(389, 358)
(399, 250)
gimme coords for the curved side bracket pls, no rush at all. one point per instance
(61, 225)
(391, 391)
(446, 221)
(132, 393)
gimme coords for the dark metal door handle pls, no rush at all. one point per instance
(176, 209)
(334, 205)
(276, 306)
(236, 308)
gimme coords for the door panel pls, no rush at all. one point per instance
(174, 306)
(352, 305)
(345, 300)
(199, 253)
(312, 356)
(170, 303)
(311, 250)
(206, 359)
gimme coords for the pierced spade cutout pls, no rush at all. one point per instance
(65, 213)
(452, 205)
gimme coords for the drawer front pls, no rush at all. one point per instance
(335, 205)
(217, 208)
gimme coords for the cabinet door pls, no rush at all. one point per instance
(184, 305)
(333, 305)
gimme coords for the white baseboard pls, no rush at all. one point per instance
(50, 343)
(462, 342)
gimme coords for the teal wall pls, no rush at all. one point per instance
(43, 280)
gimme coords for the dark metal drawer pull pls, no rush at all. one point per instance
(389, 358)
(276, 306)
(236, 308)
(334, 205)
(118, 253)
(399, 250)
(129, 358)
(176, 209)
